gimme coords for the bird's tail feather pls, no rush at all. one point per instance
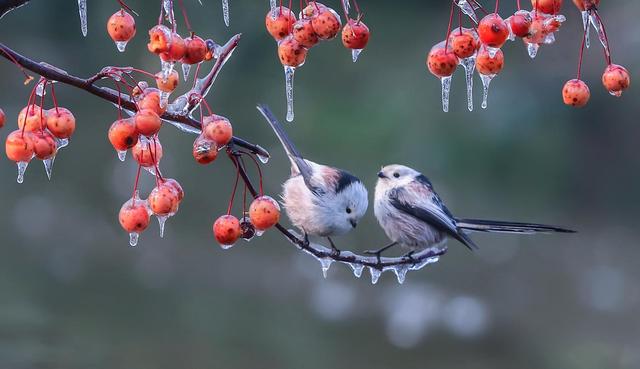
(478, 225)
(288, 145)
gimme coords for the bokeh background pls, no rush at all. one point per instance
(74, 295)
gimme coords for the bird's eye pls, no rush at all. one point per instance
(396, 175)
(348, 210)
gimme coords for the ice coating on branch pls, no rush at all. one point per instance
(486, 81)
(225, 12)
(184, 127)
(355, 53)
(22, 168)
(469, 65)
(446, 88)
(186, 68)
(288, 79)
(121, 45)
(82, 9)
(585, 28)
(375, 274)
(325, 263)
(263, 159)
(133, 239)
(467, 9)
(532, 49)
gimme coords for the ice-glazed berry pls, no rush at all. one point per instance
(616, 79)
(326, 23)
(151, 100)
(121, 26)
(123, 134)
(303, 33)
(464, 42)
(196, 50)
(205, 150)
(167, 84)
(177, 49)
(32, 118)
(493, 30)
(176, 186)
(147, 153)
(586, 4)
(520, 23)
(279, 22)
(159, 39)
(488, 65)
(147, 122)
(218, 129)
(164, 200)
(355, 34)
(576, 93)
(19, 146)
(226, 230)
(44, 145)
(264, 213)
(547, 6)
(61, 122)
(441, 62)
(134, 216)
(291, 52)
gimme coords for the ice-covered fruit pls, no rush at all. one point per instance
(19, 146)
(355, 34)
(226, 230)
(218, 129)
(176, 186)
(44, 144)
(264, 212)
(147, 153)
(616, 79)
(520, 23)
(123, 134)
(147, 122)
(487, 64)
(176, 51)
(121, 26)
(134, 215)
(464, 42)
(291, 52)
(164, 200)
(440, 61)
(493, 30)
(159, 39)
(61, 122)
(32, 118)
(196, 50)
(279, 22)
(326, 22)
(169, 83)
(547, 6)
(576, 93)
(151, 100)
(303, 33)
(205, 150)
(586, 4)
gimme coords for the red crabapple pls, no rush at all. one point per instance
(616, 79)
(147, 153)
(2, 118)
(205, 150)
(279, 26)
(164, 200)
(196, 50)
(151, 100)
(520, 23)
(441, 62)
(159, 39)
(121, 26)
(61, 122)
(303, 33)
(264, 213)
(218, 129)
(176, 186)
(547, 6)
(123, 134)
(355, 34)
(586, 4)
(488, 65)
(291, 52)
(576, 93)
(177, 49)
(326, 22)
(19, 147)
(168, 84)
(464, 43)
(227, 231)
(44, 145)
(32, 118)
(493, 30)
(147, 122)
(134, 215)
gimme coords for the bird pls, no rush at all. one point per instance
(413, 216)
(320, 200)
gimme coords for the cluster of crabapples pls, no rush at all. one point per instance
(40, 133)
(295, 37)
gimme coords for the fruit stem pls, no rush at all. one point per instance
(235, 186)
(135, 185)
(518, 4)
(53, 97)
(606, 38)
(446, 42)
(497, 6)
(584, 37)
(184, 15)
(257, 167)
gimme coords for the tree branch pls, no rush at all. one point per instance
(8, 5)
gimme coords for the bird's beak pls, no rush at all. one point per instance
(381, 175)
(353, 223)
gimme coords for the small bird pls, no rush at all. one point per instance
(319, 200)
(413, 216)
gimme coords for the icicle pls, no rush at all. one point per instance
(167, 68)
(549, 39)
(467, 9)
(225, 12)
(424, 263)
(227, 247)
(288, 77)
(512, 36)
(585, 28)
(347, 6)
(40, 91)
(133, 238)
(168, 9)
(375, 274)
(357, 269)
(616, 93)
(122, 155)
(162, 219)
(401, 272)
(186, 68)
(446, 87)
(469, 65)
(492, 51)
(274, 5)
(121, 45)
(263, 159)
(22, 167)
(601, 36)
(48, 166)
(355, 53)
(325, 263)
(82, 9)
(259, 232)
(532, 49)
(486, 80)
(164, 99)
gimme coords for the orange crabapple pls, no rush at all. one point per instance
(264, 213)
(2, 118)
(355, 34)
(547, 6)
(176, 186)
(303, 33)
(123, 134)
(312, 9)
(217, 128)
(279, 24)
(205, 150)
(586, 4)
(147, 122)
(441, 62)
(164, 200)
(121, 26)
(147, 153)
(134, 215)
(32, 118)
(576, 93)
(44, 145)
(464, 42)
(291, 52)
(61, 122)
(488, 65)
(196, 50)
(520, 23)
(616, 79)
(493, 30)
(177, 49)
(326, 22)
(226, 230)
(151, 100)
(19, 146)
(168, 84)
(159, 39)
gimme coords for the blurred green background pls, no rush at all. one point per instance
(74, 295)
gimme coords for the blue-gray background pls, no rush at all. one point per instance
(74, 295)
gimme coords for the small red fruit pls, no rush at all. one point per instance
(464, 43)
(44, 145)
(303, 33)
(218, 129)
(147, 153)
(279, 24)
(121, 26)
(32, 118)
(616, 79)
(151, 100)
(123, 134)
(19, 147)
(176, 186)
(355, 34)
(177, 49)
(291, 52)
(441, 62)
(205, 150)
(520, 23)
(134, 215)
(61, 122)
(159, 39)
(547, 6)
(493, 30)
(196, 50)
(227, 231)
(167, 84)
(326, 22)
(586, 4)
(576, 93)
(148, 122)
(488, 65)
(264, 213)
(164, 200)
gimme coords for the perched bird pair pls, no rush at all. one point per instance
(325, 201)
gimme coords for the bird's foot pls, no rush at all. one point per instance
(410, 257)
(335, 251)
(379, 251)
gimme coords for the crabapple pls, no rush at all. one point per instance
(264, 213)
(44, 145)
(123, 134)
(441, 62)
(134, 215)
(61, 122)
(147, 122)
(177, 49)
(291, 52)
(493, 30)
(164, 200)
(326, 23)
(19, 146)
(167, 84)
(205, 150)
(32, 118)
(616, 79)
(355, 34)
(586, 4)
(280, 25)
(520, 23)
(2, 118)
(121, 26)
(218, 129)
(303, 33)
(488, 65)
(196, 50)
(176, 186)
(226, 230)
(464, 43)
(576, 93)
(151, 100)
(547, 6)
(159, 39)
(147, 153)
